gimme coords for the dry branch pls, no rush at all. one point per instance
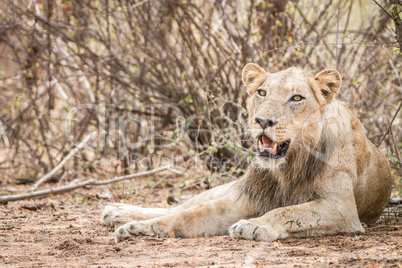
(391, 134)
(386, 11)
(73, 186)
(390, 125)
(64, 161)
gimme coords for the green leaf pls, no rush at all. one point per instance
(393, 8)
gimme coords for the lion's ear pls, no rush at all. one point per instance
(252, 76)
(329, 82)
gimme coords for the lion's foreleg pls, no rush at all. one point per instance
(320, 217)
(118, 214)
(206, 219)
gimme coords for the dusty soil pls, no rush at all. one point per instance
(57, 233)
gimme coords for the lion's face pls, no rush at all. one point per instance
(285, 110)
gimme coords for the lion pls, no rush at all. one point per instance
(316, 173)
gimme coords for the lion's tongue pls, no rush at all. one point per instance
(268, 145)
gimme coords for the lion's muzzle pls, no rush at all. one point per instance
(272, 149)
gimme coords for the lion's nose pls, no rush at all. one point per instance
(264, 123)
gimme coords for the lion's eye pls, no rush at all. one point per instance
(297, 98)
(261, 92)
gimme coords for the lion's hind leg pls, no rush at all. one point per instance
(119, 214)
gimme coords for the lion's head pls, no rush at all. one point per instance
(285, 111)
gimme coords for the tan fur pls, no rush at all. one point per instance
(331, 179)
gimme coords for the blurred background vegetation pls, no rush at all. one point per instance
(161, 80)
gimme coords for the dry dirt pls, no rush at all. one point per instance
(57, 233)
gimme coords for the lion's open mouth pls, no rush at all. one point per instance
(272, 149)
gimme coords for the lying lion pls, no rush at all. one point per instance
(316, 172)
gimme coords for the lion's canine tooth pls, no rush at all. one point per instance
(275, 147)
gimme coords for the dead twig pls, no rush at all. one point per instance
(64, 161)
(12, 217)
(8, 228)
(34, 207)
(390, 125)
(72, 186)
(391, 134)
(386, 11)
(337, 32)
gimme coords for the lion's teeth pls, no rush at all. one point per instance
(265, 147)
(274, 149)
(261, 146)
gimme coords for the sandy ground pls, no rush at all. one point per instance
(56, 233)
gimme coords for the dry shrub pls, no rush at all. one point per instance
(162, 78)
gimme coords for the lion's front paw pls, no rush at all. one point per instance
(247, 229)
(132, 229)
(117, 214)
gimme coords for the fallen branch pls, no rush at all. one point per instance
(12, 217)
(72, 186)
(8, 228)
(64, 161)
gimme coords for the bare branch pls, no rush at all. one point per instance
(64, 161)
(337, 32)
(73, 186)
(398, 155)
(44, 193)
(390, 125)
(384, 9)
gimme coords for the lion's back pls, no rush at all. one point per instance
(373, 185)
